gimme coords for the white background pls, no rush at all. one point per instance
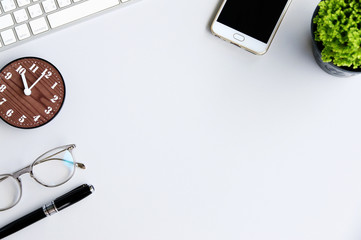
(186, 136)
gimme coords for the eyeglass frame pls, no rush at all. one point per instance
(29, 169)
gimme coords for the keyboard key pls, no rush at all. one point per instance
(38, 26)
(8, 37)
(8, 5)
(35, 10)
(22, 31)
(63, 3)
(78, 11)
(49, 5)
(20, 16)
(6, 21)
(23, 3)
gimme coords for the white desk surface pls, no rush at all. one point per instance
(188, 137)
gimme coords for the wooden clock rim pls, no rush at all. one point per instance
(62, 79)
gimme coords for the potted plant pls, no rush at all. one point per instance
(336, 34)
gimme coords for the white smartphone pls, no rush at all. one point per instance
(249, 24)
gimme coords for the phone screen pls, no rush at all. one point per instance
(256, 18)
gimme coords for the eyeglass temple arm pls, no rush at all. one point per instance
(27, 169)
(77, 164)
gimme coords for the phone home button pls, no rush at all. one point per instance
(238, 37)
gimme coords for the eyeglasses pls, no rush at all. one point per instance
(51, 169)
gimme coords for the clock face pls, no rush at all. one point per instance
(32, 92)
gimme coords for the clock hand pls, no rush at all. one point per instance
(37, 80)
(27, 90)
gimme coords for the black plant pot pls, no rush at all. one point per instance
(328, 67)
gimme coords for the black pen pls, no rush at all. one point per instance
(49, 209)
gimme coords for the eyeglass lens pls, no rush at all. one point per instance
(10, 191)
(54, 167)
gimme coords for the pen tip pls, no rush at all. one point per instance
(91, 187)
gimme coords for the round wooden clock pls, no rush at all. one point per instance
(32, 92)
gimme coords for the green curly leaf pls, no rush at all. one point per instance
(339, 29)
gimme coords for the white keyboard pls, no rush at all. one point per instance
(22, 20)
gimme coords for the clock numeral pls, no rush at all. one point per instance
(47, 111)
(52, 87)
(8, 75)
(54, 99)
(34, 68)
(2, 88)
(47, 73)
(9, 113)
(21, 70)
(36, 118)
(22, 119)
(2, 101)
